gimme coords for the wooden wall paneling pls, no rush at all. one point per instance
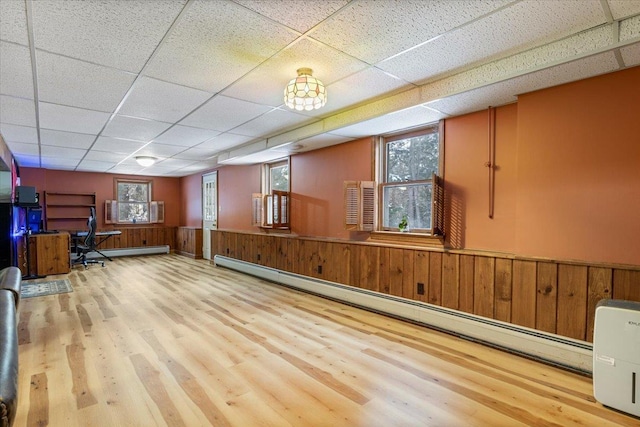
(232, 245)
(281, 253)
(451, 280)
(503, 289)
(396, 266)
(368, 267)
(341, 258)
(467, 274)
(572, 301)
(435, 278)
(626, 284)
(323, 254)
(151, 237)
(599, 287)
(421, 275)
(254, 249)
(384, 271)
(523, 293)
(134, 239)
(483, 286)
(408, 284)
(215, 243)
(547, 296)
(269, 249)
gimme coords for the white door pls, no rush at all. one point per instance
(209, 210)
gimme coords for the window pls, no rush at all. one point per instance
(277, 176)
(409, 163)
(270, 209)
(133, 204)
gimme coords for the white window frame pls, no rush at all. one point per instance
(381, 161)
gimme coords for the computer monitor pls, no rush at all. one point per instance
(34, 219)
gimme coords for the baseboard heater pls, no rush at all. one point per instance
(144, 250)
(550, 348)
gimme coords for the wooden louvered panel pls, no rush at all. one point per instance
(351, 199)
(437, 205)
(368, 196)
(359, 205)
(256, 209)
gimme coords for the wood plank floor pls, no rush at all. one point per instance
(170, 341)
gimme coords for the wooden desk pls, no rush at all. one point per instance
(49, 254)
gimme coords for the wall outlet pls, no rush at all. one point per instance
(319, 269)
(258, 257)
(420, 288)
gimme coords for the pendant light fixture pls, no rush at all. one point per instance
(305, 92)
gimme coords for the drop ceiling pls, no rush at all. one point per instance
(89, 85)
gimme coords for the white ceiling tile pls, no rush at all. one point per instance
(17, 111)
(106, 156)
(16, 76)
(116, 145)
(270, 122)
(59, 163)
(134, 128)
(112, 32)
(186, 136)
(265, 85)
(216, 42)
(71, 119)
(224, 141)
(196, 153)
(15, 133)
(158, 100)
(373, 31)
(516, 28)
(127, 168)
(62, 152)
(301, 15)
(58, 138)
(94, 166)
(354, 90)
(13, 25)
(160, 150)
(198, 167)
(630, 28)
(631, 55)
(71, 82)
(623, 8)
(174, 163)
(223, 113)
(23, 148)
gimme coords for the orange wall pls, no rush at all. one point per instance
(235, 186)
(191, 201)
(579, 170)
(164, 189)
(467, 181)
(317, 179)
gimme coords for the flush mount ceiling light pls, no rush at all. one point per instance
(305, 92)
(145, 160)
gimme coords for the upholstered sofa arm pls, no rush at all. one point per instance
(10, 283)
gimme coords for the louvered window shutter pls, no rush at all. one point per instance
(437, 205)
(110, 211)
(280, 209)
(359, 205)
(256, 209)
(156, 212)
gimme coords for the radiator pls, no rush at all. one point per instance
(550, 348)
(145, 250)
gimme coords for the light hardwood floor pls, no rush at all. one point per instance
(167, 340)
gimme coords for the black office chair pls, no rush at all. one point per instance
(89, 243)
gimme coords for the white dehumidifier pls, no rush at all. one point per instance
(616, 355)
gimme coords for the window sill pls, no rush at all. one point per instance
(407, 239)
(275, 229)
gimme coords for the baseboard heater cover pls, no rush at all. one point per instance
(551, 348)
(144, 250)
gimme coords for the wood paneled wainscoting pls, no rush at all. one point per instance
(551, 296)
(136, 237)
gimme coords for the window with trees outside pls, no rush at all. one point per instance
(133, 198)
(410, 161)
(277, 176)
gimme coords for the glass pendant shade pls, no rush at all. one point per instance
(305, 92)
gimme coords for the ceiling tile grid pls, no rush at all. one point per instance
(16, 76)
(119, 34)
(190, 80)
